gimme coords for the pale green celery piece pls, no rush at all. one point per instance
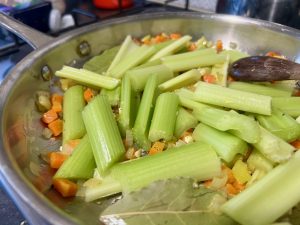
(194, 62)
(259, 89)
(197, 160)
(272, 147)
(81, 163)
(140, 76)
(144, 114)
(225, 144)
(160, 46)
(289, 105)
(136, 57)
(234, 55)
(181, 80)
(182, 56)
(127, 46)
(220, 71)
(171, 48)
(73, 103)
(190, 104)
(234, 99)
(287, 85)
(237, 124)
(201, 43)
(107, 187)
(164, 117)
(280, 124)
(269, 198)
(103, 133)
(257, 161)
(298, 119)
(88, 78)
(148, 64)
(113, 95)
(184, 121)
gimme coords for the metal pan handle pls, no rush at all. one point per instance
(34, 38)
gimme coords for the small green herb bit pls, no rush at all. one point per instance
(103, 133)
(164, 117)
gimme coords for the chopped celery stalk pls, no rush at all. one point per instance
(164, 117)
(171, 48)
(194, 62)
(298, 119)
(148, 64)
(240, 172)
(280, 124)
(182, 56)
(73, 103)
(103, 133)
(239, 125)
(144, 114)
(81, 163)
(88, 78)
(273, 147)
(127, 46)
(269, 198)
(225, 144)
(220, 72)
(139, 77)
(113, 96)
(259, 89)
(160, 46)
(197, 160)
(184, 121)
(234, 55)
(181, 80)
(287, 85)
(107, 187)
(234, 99)
(135, 58)
(190, 104)
(257, 161)
(125, 117)
(289, 105)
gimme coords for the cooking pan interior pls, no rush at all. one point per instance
(24, 172)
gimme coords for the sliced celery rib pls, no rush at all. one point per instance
(239, 125)
(280, 124)
(234, 55)
(144, 114)
(88, 78)
(103, 133)
(73, 105)
(184, 121)
(181, 80)
(140, 76)
(262, 202)
(220, 71)
(259, 89)
(273, 147)
(164, 117)
(171, 48)
(234, 99)
(289, 105)
(182, 56)
(113, 95)
(196, 160)
(226, 145)
(194, 62)
(80, 165)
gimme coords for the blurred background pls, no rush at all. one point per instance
(55, 17)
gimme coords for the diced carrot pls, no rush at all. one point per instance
(296, 144)
(159, 39)
(70, 146)
(230, 177)
(88, 94)
(56, 127)
(219, 45)
(209, 78)
(56, 101)
(56, 159)
(192, 47)
(231, 189)
(65, 187)
(175, 36)
(238, 186)
(230, 78)
(207, 183)
(156, 147)
(297, 93)
(49, 116)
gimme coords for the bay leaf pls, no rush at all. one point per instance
(100, 63)
(173, 201)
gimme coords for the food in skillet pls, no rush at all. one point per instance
(159, 120)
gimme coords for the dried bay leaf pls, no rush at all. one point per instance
(172, 201)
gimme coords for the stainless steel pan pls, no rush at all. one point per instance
(23, 172)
